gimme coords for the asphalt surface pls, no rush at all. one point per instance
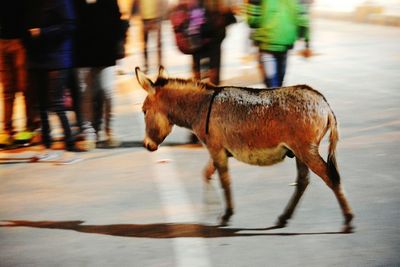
(129, 207)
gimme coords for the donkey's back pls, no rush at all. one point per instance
(261, 126)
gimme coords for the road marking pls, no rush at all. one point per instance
(188, 251)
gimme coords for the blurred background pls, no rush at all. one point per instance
(127, 207)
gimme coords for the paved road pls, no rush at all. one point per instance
(129, 207)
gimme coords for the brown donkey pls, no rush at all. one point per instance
(256, 126)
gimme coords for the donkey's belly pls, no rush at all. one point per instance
(260, 156)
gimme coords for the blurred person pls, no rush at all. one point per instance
(13, 74)
(200, 28)
(49, 25)
(151, 13)
(99, 32)
(76, 98)
(276, 25)
(303, 31)
(218, 16)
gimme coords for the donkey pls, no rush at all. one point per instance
(256, 126)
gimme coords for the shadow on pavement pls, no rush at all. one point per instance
(156, 230)
(128, 144)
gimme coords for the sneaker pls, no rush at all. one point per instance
(111, 141)
(6, 140)
(24, 136)
(46, 156)
(68, 158)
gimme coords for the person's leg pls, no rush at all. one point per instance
(56, 84)
(281, 62)
(73, 85)
(269, 68)
(159, 41)
(33, 122)
(97, 98)
(39, 85)
(85, 78)
(7, 68)
(21, 78)
(145, 35)
(196, 57)
(107, 81)
(215, 63)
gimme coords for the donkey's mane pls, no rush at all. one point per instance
(180, 83)
(184, 84)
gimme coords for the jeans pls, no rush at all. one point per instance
(97, 85)
(73, 85)
(273, 65)
(49, 87)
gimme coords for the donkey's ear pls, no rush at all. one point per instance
(145, 82)
(162, 73)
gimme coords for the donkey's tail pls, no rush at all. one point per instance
(334, 175)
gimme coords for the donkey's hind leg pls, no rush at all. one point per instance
(303, 176)
(320, 167)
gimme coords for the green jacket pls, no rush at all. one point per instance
(277, 23)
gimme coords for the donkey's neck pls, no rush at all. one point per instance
(186, 108)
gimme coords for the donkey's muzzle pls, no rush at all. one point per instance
(150, 145)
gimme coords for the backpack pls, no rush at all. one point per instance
(188, 27)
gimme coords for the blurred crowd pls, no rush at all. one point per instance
(62, 56)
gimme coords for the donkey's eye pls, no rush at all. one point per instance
(144, 112)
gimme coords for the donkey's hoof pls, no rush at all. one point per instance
(224, 221)
(348, 218)
(226, 217)
(281, 222)
(348, 229)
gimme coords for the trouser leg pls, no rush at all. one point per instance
(8, 79)
(73, 85)
(281, 67)
(56, 84)
(159, 42)
(85, 78)
(107, 83)
(215, 63)
(269, 66)
(145, 35)
(39, 86)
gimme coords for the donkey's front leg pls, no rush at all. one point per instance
(210, 194)
(209, 171)
(221, 164)
(303, 177)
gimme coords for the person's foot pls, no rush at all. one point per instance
(112, 141)
(74, 148)
(68, 157)
(6, 139)
(24, 136)
(46, 156)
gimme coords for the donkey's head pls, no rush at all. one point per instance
(157, 124)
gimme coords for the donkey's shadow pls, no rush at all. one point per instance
(156, 230)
